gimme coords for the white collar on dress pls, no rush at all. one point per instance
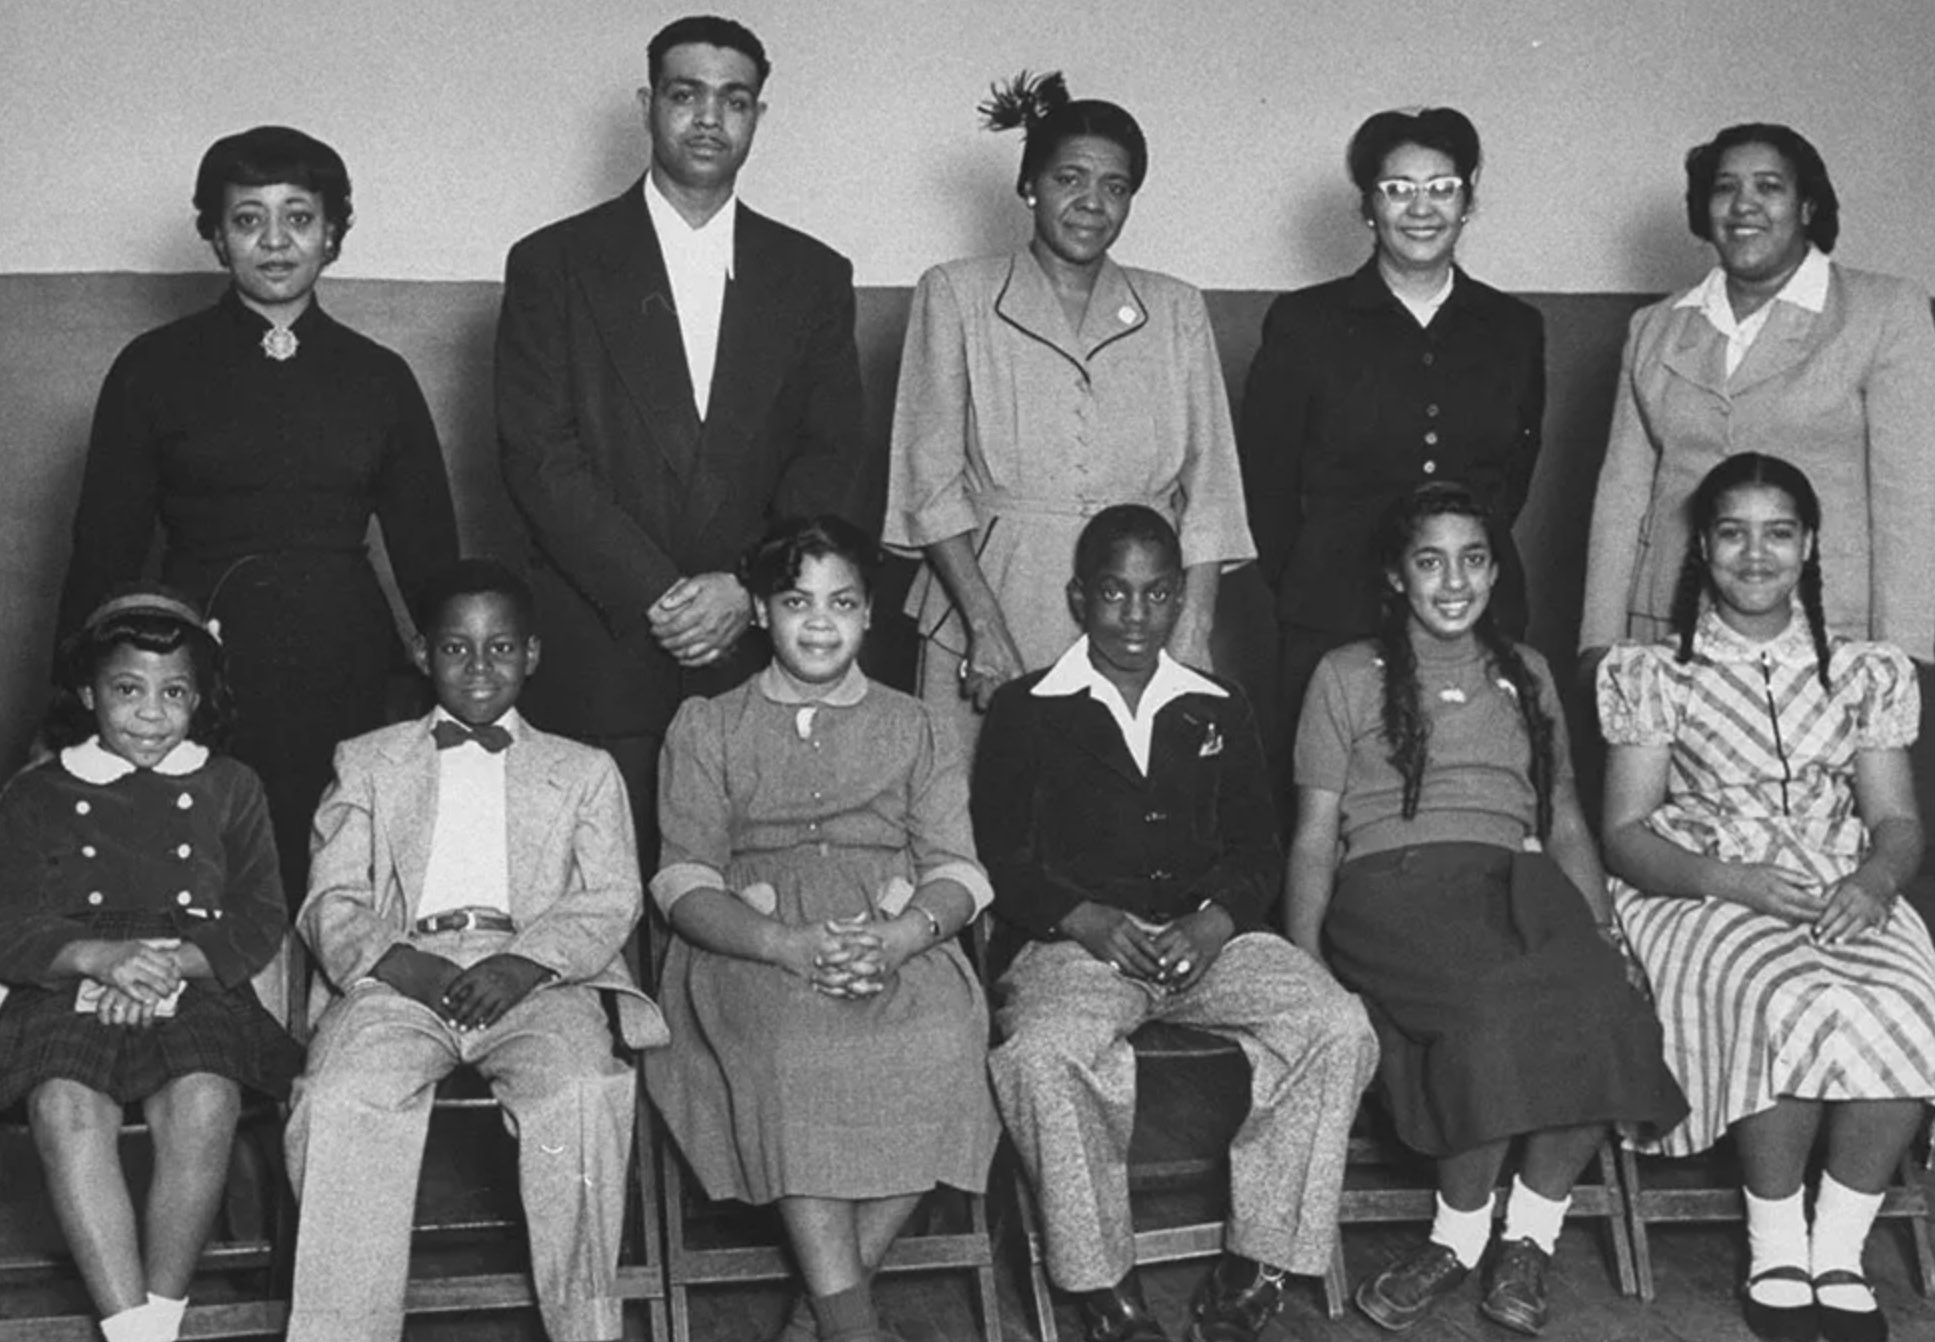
(1718, 641)
(92, 762)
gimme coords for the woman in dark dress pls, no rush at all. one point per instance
(263, 436)
(1405, 371)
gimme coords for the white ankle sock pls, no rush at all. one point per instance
(1464, 1233)
(1842, 1219)
(130, 1325)
(167, 1315)
(1531, 1215)
(1777, 1237)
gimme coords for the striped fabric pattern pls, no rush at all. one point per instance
(1762, 770)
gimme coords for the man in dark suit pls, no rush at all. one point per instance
(673, 372)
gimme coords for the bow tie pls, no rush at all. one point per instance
(449, 734)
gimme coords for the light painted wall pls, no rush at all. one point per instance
(468, 122)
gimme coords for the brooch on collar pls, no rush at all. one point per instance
(280, 343)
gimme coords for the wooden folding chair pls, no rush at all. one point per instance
(1707, 1188)
(1385, 1182)
(741, 1245)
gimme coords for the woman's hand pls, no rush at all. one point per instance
(1190, 644)
(901, 938)
(1769, 889)
(1851, 910)
(146, 973)
(1186, 948)
(992, 661)
(1116, 939)
(125, 1010)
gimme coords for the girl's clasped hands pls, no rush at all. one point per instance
(855, 958)
(138, 981)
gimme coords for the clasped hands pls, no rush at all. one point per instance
(466, 999)
(1166, 957)
(1842, 911)
(853, 958)
(136, 978)
(700, 617)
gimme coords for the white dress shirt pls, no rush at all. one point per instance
(698, 262)
(1806, 288)
(470, 865)
(1074, 673)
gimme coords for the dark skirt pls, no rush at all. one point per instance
(1500, 1009)
(214, 1029)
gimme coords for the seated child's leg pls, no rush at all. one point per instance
(1312, 1052)
(572, 1105)
(1064, 1076)
(77, 1132)
(192, 1120)
(355, 1148)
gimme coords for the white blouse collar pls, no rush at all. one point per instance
(92, 762)
(1718, 641)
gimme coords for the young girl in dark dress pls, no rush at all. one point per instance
(138, 895)
(1469, 910)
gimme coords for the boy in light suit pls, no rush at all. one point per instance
(473, 882)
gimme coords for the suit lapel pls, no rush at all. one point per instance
(630, 298)
(530, 810)
(1786, 339)
(1090, 728)
(410, 812)
(752, 343)
(1697, 352)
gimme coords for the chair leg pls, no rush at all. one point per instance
(672, 1201)
(646, 1141)
(1918, 1228)
(1622, 1238)
(1037, 1272)
(984, 1283)
(1336, 1281)
(1636, 1218)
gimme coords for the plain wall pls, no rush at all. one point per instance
(466, 123)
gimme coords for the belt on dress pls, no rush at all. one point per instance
(467, 920)
(1011, 503)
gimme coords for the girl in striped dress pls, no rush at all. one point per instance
(1760, 822)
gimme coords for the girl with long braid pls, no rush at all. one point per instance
(1760, 822)
(1441, 867)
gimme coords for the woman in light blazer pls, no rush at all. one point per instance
(1036, 389)
(1783, 352)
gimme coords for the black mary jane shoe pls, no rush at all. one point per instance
(1848, 1325)
(1780, 1323)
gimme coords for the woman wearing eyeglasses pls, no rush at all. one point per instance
(1781, 351)
(1405, 371)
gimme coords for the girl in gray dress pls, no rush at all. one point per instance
(829, 1039)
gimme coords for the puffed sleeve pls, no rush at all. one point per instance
(940, 832)
(927, 498)
(254, 913)
(1325, 732)
(1636, 703)
(1888, 714)
(694, 810)
(1215, 526)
